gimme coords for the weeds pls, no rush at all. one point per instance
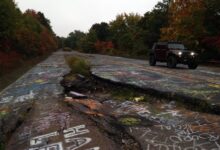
(128, 94)
(78, 66)
(129, 121)
(69, 77)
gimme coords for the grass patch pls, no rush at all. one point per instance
(69, 77)
(123, 94)
(129, 94)
(2, 114)
(78, 66)
(129, 121)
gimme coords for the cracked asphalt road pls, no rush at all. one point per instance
(50, 124)
(164, 126)
(194, 86)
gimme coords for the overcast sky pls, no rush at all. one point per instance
(69, 15)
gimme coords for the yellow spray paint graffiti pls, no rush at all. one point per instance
(215, 86)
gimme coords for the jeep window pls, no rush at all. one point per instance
(176, 46)
(161, 46)
(157, 47)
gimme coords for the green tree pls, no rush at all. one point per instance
(153, 21)
(101, 30)
(124, 30)
(44, 21)
(74, 39)
(8, 17)
(88, 42)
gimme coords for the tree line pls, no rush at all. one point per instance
(194, 22)
(23, 36)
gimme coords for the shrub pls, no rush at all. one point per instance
(78, 66)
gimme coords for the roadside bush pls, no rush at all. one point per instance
(78, 66)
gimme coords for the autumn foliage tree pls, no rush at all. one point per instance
(104, 47)
(23, 35)
(186, 18)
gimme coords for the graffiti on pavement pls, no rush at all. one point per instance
(78, 130)
(39, 140)
(54, 146)
(25, 97)
(70, 135)
(94, 148)
(6, 99)
(202, 83)
(171, 128)
(45, 122)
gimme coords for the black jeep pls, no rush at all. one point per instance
(172, 53)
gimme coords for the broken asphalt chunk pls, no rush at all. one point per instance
(77, 95)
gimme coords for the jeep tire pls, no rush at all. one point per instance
(152, 60)
(192, 65)
(171, 62)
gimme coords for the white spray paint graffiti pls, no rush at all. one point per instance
(181, 133)
(25, 97)
(6, 99)
(77, 142)
(21, 98)
(94, 148)
(55, 146)
(41, 142)
(78, 130)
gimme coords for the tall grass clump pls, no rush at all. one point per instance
(78, 66)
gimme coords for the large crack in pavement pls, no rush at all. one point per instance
(98, 122)
(199, 88)
(154, 124)
(157, 124)
(46, 124)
